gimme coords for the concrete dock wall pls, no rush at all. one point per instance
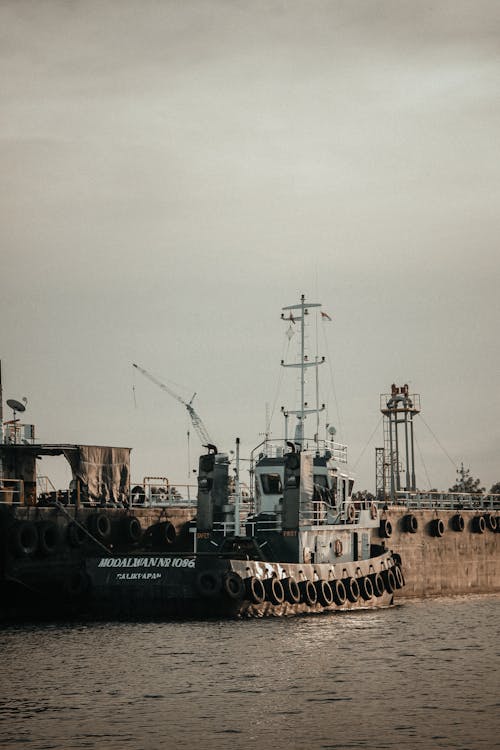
(456, 563)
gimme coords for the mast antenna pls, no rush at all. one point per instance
(304, 363)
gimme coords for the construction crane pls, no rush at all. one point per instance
(198, 425)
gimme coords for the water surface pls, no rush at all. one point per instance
(420, 675)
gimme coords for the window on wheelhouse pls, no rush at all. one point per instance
(321, 480)
(271, 484)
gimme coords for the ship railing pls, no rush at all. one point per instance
(44, 485)
(158, 492)
(11, 491)
(321, 512)
(251, 528)
(318, 512)
(226, 528)
(276, 448)
(450, 500)
(17, 433)
(245, 503)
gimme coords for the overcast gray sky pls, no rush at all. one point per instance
(173, 173)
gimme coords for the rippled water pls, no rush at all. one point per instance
(421, 675)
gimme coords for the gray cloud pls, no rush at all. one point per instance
(173, 173)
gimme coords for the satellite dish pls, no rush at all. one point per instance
(332, 430)
(16, 405)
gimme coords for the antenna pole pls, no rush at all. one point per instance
(302, 369)
(237, 500)
(303, 364)
(317, 403)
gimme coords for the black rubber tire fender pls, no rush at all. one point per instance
(233, 586)
(75, 534)
(99, 526)
(339, 592)
(308, 593)
(48, 537)
(436, 527)
(324, 593)
(291, 589)
(491, 522)
(255, 590)
(274, 590)
(377, 584)
(208, 583)
(385, 528)
(162, 534)
(478, 524)
(365, 588)
(399, 577)
(24, 539)
(457, 522)
(131, 529)
(410, 523)
(389, 580)
(351, 589)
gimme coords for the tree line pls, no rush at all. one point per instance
(467, 484)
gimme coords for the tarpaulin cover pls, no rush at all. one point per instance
(103, 470)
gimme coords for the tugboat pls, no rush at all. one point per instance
(307, 547)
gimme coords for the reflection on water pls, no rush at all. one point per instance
(422, 675)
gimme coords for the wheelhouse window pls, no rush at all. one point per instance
(271, 484)
(321, 480)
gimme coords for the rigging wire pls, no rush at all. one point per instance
(335, 400)
(423, 464)
(286, 347)
(453, 463)
(368, 443)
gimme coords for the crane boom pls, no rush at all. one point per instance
(198, 425)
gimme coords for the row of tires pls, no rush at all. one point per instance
(27, 538)
(479, 524)
(212, 584)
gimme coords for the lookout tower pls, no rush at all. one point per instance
(395, 462)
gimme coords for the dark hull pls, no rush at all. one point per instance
(138, 587)
(87, 581)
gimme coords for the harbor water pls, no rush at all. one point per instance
(419, 675)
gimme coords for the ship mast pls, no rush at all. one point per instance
(302, 412)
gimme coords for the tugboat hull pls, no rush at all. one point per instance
(186, 587)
